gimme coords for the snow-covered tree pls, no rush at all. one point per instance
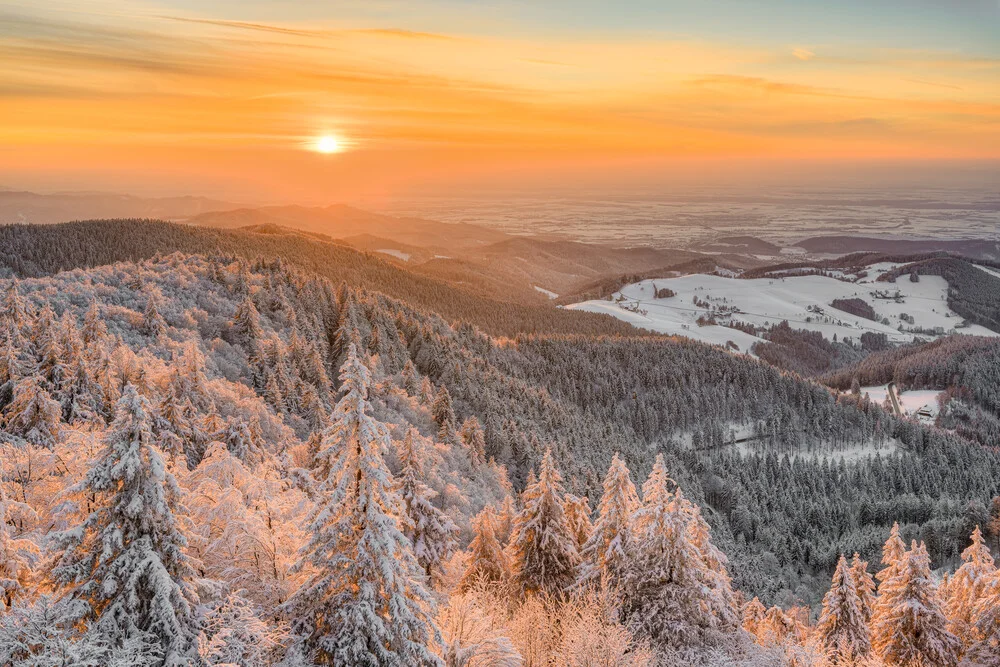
(126, 560)
(153, 323)
(753, 616)
(985, 650)
(234, 634)
(864, 585)
(431, 531)
(966, 588)
(474, 439)
(33, 414)
(364, 603)
(606, 552)
(487, 562)
(667, 594)
(246, 323)
(545, 557)
(577, 509)
(472, 635)
(842, 628)
(16, 556)
(909, 626)
(892, 554)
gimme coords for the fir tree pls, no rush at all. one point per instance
(967, 587)
(665, 584)
(33, 414)
(606, 552)
(153, 323)
(443, 414)
(474, 440)
(753, 616)
(909, 626)
(487, 562)
(842, 628)
(16, 558)
(545, 557)
(864, 585)
(126, 560)
(246, 323)
(430, 530)
(365, 603)
(577, 509)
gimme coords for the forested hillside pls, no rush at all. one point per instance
(44, 249)
(209, 434)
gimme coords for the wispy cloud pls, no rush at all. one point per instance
(803, 54)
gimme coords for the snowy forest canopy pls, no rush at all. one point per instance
(206, 460)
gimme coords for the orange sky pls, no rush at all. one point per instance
(168, 98)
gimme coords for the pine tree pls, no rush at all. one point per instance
(411, 378)
(909, 627)
(153, 323)
(842, 628)
(753, 616)
(94, 329)
(577, 511)
(545, 558)
(443, 415)
(16, 557)
(606, 552)
(667, 595)
(985, 650)
(364, 604)
(474, 440)
(33, 414)
(431, 531)
(864, 585)
(967, 587)
(126, 560)
(892, 554)
(246, 323)
(487, 562)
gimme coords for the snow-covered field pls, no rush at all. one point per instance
(548, 293)
(398, 254)
(911, 402)
(804, 301)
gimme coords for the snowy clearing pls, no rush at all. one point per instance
(804, 301)
(911, 402)
(398, 254)
(548, 293)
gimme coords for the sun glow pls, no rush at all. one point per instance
(329, 144)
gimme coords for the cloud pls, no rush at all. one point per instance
(803, 54)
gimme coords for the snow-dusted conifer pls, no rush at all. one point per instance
(665, 583)
(606, 552)
(842, 628)
(545, 558)
(431, 531)
(909, 626)
(577, 509)
(753, 616)
(864, 585)
(474, 439)
(364, 603)
(126, 560)
(487, 563)
(966, 587)
(33, 414)
(246, 323)
(16, 557)
(153, 323)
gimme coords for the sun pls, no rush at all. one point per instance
(329, 144)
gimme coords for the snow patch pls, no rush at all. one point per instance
(398, 254)
(548, 293)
